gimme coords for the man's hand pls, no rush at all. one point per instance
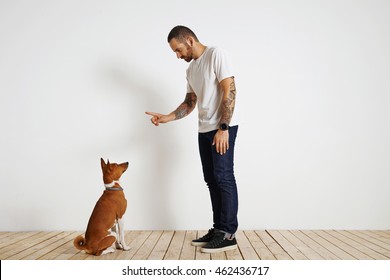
(158, 118)
(221, 141)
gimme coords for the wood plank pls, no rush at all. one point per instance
(367, 243)
(188, 251)
(162, 245)
(132, 239)
(26, 243)
(351, 240)
(200, 255)
(385, 233)
(44, 247)
(323, 252)
(246, 249)
(382, 233)
(79, 255)
(144, 252)
(301, 246)
(339, 253)
(373, 240)
(258, 245)
(286, 245)
(234, 255)
(4, 234)
(174, 249)
(61, 248)
(385, 241)
(273, 246)
(73, 254)
(218, 256)
(135, 240)
(347, 248)
(14, 238)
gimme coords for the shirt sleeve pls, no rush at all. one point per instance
(189, 88)
(222, 65)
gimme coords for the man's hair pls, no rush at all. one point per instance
(181, 33)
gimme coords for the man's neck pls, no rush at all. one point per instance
(198, 50)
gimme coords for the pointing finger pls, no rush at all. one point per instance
(152, 114)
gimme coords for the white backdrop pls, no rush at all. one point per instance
(313, 91)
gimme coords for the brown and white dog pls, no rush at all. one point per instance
(105, 229)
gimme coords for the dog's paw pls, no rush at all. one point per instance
(122, 247)
(126, 248)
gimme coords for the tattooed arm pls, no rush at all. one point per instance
(184, 109)
(228, 100)
(221, 138)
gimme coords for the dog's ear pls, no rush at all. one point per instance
(109, 167)
(103, 164)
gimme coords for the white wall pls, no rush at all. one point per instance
(314, 94)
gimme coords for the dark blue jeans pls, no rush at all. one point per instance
(218, 172)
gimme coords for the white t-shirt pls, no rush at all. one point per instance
(203, 77)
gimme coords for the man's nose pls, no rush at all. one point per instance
(178, 55)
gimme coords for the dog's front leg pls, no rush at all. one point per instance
(121, 234)
(116, 231)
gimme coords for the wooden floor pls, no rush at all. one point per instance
(176, 245)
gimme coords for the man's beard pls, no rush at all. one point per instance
(189, 50)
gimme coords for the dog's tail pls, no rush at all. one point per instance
(79, 242)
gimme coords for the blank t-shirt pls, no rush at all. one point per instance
(203, 77)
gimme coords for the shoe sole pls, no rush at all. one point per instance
(217, 250)
(197, 244)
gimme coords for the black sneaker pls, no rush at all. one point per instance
(204, 239)
(219, 244)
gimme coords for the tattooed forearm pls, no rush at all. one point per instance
(186, 107)
(228, 103)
